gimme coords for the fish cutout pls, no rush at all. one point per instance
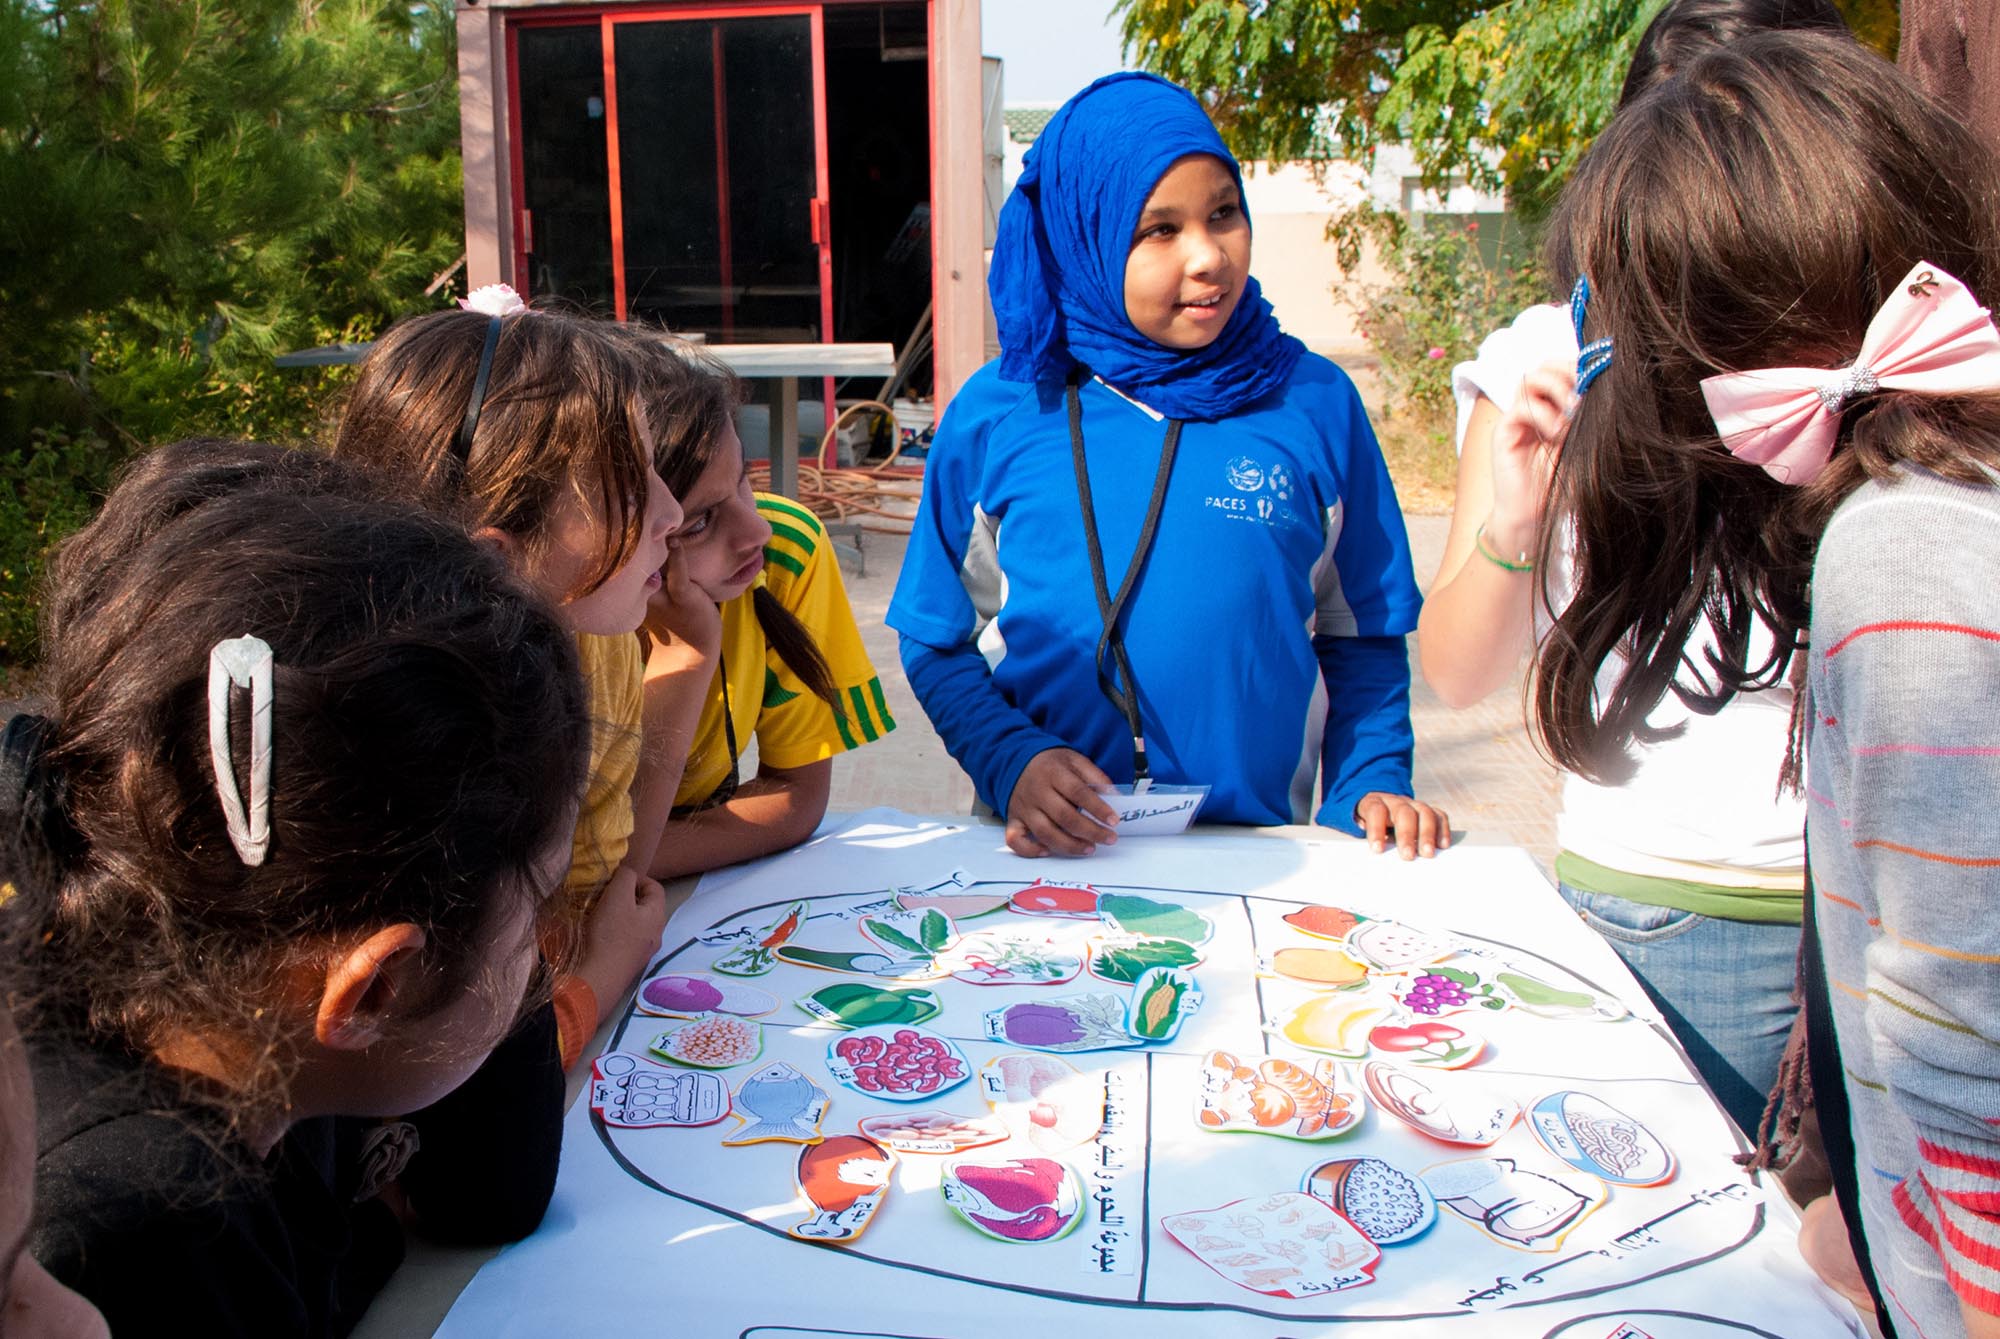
(754, 951)
(711, 1041)
(778, 1104)
(1070, 901)
(630, 1092)
(685, 994)
(1071, 1023)
(1324, 922)
(1431, 1044)
(935, 1132)
(1391, 946)
(1319, 966)
(1022, 1200)
(1044, 1099)
(1388, 1206)
(1284, 1245)
(867, 963)
(1123, 961)
(897, 1063)
(845, 1178)
(1162, 1000)
(1444, 1105)
(1147, 918)
(1000, 959)
(1272, 1095)
(1529, 1208)
(1336, 1023)
(853, 1005)
(1599, 1140)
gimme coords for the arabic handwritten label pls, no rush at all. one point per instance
(1112, 1239)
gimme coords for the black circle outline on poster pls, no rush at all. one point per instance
(1140, 1304)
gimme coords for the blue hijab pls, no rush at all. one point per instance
(1058, 276)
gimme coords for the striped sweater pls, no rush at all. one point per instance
(1903, 777)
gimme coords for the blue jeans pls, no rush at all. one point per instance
(1724, 987)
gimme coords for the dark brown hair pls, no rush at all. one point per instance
(1685, 29)
(429, 745)
(689, 398)
(1754, 211)
(560, 415)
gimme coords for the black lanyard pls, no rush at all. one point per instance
(726, 791)
(1126, 699)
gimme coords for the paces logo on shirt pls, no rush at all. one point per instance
(1257, 493)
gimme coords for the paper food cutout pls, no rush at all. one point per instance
(1389, 1207)
(1319, 966)
(1045, 1100)
(778, 1104)
(958, 906)
(1446, 990)
(1161, 1000)
(1524, 1207)
(1392, 946)
(1126, 960)
(1324, 922)
(711, 1041)
(1071, 1023)
(630, 1092)
(1001, 959)
(1146, 918)
(1337, 1023)
(865, 963)
(1597, 1138)
(1275, 1096)
(1287, 1245)
(853, 1005)
(1437, 1045)
(1446, 1106)
(921, 935)
(1070, 901)
(685, 994)
(932, 1131)
(1021, 1200)
(1538, 997)
(752, 955)
(845, 1177)
(897, 1064)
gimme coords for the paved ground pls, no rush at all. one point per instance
(1478, 764)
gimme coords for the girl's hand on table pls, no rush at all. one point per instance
(1420, 828)
(1056, 808)
(622, 934)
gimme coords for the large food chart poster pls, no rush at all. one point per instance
(900, 1083)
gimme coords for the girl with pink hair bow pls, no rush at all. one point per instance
(1788, 248)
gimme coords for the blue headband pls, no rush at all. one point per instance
(1592, 358)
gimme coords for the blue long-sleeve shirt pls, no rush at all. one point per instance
(1266, 629)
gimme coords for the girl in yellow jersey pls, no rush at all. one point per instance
(792, 673)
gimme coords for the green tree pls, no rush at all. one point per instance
(1504, 95)
(188, 187)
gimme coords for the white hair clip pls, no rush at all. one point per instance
(242, 662)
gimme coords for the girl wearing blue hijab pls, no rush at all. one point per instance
(1158, 542)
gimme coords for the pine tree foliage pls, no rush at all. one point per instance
(187, 188)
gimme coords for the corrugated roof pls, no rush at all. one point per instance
(1025, 123)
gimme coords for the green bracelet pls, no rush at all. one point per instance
(1526, 564)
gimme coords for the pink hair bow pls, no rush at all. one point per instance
(1931, 336)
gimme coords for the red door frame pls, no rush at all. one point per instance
(608, 18)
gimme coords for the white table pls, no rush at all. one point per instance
(785, 364)
(1705, 1254)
